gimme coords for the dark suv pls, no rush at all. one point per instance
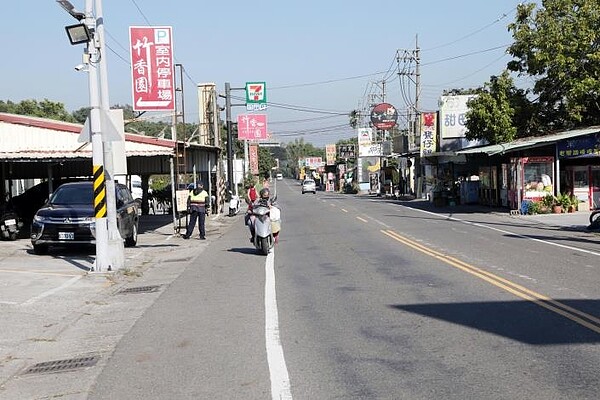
(68, 217)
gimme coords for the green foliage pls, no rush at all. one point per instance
(491, 113)
(534, 207)
(81, 114)
(249, 180)
(548, 201)
(33, 108)
(298, 150)
(565, 200)
(265, 162)
(558, 45)
(159, 182)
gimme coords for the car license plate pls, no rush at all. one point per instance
(66, 235)
(10, 222)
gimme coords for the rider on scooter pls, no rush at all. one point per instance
(264, 197)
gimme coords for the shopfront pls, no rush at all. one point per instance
(580, 175)
(531, 178)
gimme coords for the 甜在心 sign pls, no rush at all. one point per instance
(153, 83)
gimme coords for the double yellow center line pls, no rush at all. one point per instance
(584, 319)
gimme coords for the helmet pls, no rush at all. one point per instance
(265, 193)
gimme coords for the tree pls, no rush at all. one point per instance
(298, 150)
(43, 109)
(559, 46)
(491, 114)
(265, 162)
(81, 114)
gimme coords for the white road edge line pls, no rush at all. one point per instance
(480, 225)
(280, 380)
(52, 291)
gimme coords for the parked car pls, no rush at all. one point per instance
(309, 185)
(68, 217)
(27, 203)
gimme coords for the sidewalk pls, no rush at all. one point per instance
(578, 221)
(59, 317)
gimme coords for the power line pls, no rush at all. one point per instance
(471, 74)
(141, 12)
(327, 81)
(466, 55)
(298, 108)
(306, 119)
(504, 15)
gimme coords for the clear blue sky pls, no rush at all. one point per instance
(322, 55)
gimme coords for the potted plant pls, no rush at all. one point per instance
(557, 205)
(573, 202)
(563, 201)
(547, 203)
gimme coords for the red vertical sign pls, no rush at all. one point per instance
(253, 156)
(153, 82)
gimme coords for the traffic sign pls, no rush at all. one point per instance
(256, 93)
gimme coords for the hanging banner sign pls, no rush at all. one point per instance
(330, 154)
(252, 126)
(153, 83)
(253, 158)
(428, 133)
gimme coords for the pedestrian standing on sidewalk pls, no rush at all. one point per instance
(197, 206)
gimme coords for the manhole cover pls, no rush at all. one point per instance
(62, 365)
(140, 289)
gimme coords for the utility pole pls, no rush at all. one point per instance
(116, 249)
(229, 136)
(412, 70)
(100, 209)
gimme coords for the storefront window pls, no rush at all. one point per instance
(580, 179)
(537, 177)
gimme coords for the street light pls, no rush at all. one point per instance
(68, 7)
(89, 30)
(78, 33)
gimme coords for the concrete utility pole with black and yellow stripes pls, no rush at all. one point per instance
(102, 131)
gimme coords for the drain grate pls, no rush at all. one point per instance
(62, 365)
(140, 289)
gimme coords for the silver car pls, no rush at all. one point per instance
(309, 186)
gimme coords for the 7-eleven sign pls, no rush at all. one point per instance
(256, 93)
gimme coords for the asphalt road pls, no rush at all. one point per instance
(374, 299)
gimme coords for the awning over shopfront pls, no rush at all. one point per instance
(529, 143)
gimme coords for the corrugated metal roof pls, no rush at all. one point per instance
(527, 143)
(30, 138)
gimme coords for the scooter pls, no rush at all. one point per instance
(595, 219)
(9, 225)
(264, 235)
(234, 204)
